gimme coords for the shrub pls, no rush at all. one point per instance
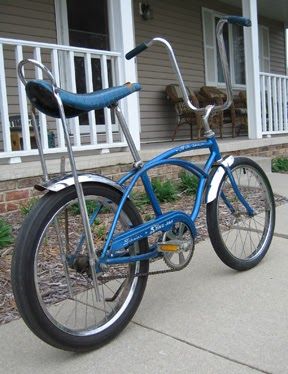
(140, 199)
(166, 191)
(28, 205)
(5, 233)
(280, 164)
(91, 205)
(188, 183)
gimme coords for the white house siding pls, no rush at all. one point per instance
(28, 19)
(277, 46)
(181, 23)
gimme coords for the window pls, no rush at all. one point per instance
(88, 24)
(234, 42)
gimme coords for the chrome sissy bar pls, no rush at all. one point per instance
(93, 259)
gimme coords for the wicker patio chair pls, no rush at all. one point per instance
(184, 114)
(239, 111)
(212, 95)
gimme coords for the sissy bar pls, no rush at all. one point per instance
(93, 259)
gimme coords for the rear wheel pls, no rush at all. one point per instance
(51, 276)
(240, 240)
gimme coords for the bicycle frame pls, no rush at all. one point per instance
(162, 222)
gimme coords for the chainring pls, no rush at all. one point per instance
(179, 259)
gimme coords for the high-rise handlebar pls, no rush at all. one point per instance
(241, 21)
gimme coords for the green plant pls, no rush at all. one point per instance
(28, 205)
(6, 237)
(188, 183)
(148, 217)
(96, 221)
(100, 231)
(166, 191)
(140, 199)
(280, 164)
(90, 204)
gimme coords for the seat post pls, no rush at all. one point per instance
(131, 144)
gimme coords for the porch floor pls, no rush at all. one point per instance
(89, 161)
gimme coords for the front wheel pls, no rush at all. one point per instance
(240, 240)
(51, 274)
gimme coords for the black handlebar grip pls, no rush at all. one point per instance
(135, 51)
(237, 20)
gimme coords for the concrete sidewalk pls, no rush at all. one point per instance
(204, 319)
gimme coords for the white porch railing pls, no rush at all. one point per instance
(97, 68)
(274, 103)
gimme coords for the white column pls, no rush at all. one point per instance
(121, 27)
(252, 70)
(286, 44)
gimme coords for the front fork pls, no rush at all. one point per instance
(249, 209)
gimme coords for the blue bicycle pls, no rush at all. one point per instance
(82, 257)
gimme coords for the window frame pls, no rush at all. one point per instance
(262, 58)
(216, 14)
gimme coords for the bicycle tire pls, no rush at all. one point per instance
(39, 285)
(241, 241)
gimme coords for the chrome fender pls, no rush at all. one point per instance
(217, 178)
(62, 182)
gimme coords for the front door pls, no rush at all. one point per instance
(87, 25)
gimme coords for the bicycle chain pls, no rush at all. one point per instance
(155, 272)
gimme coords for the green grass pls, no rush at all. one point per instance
(280, 164)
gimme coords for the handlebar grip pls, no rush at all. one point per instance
(135, 51)
(237, 20)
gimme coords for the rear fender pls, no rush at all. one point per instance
(62, 182)
(215, 181)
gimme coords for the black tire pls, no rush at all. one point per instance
(241, 241)
(41, 278)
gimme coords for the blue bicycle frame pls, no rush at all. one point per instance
(112, 252)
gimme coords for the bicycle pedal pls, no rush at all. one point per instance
(168, 247)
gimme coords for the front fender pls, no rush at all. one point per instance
(59, 183)
(216, 179)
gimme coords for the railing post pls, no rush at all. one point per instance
(74, 121)
(107, 112)
(89, 87)
(42, 117)
(123, 40)
(285, 101)
(56, 73)
(23, 104)
(252, 70)
(4, 105)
